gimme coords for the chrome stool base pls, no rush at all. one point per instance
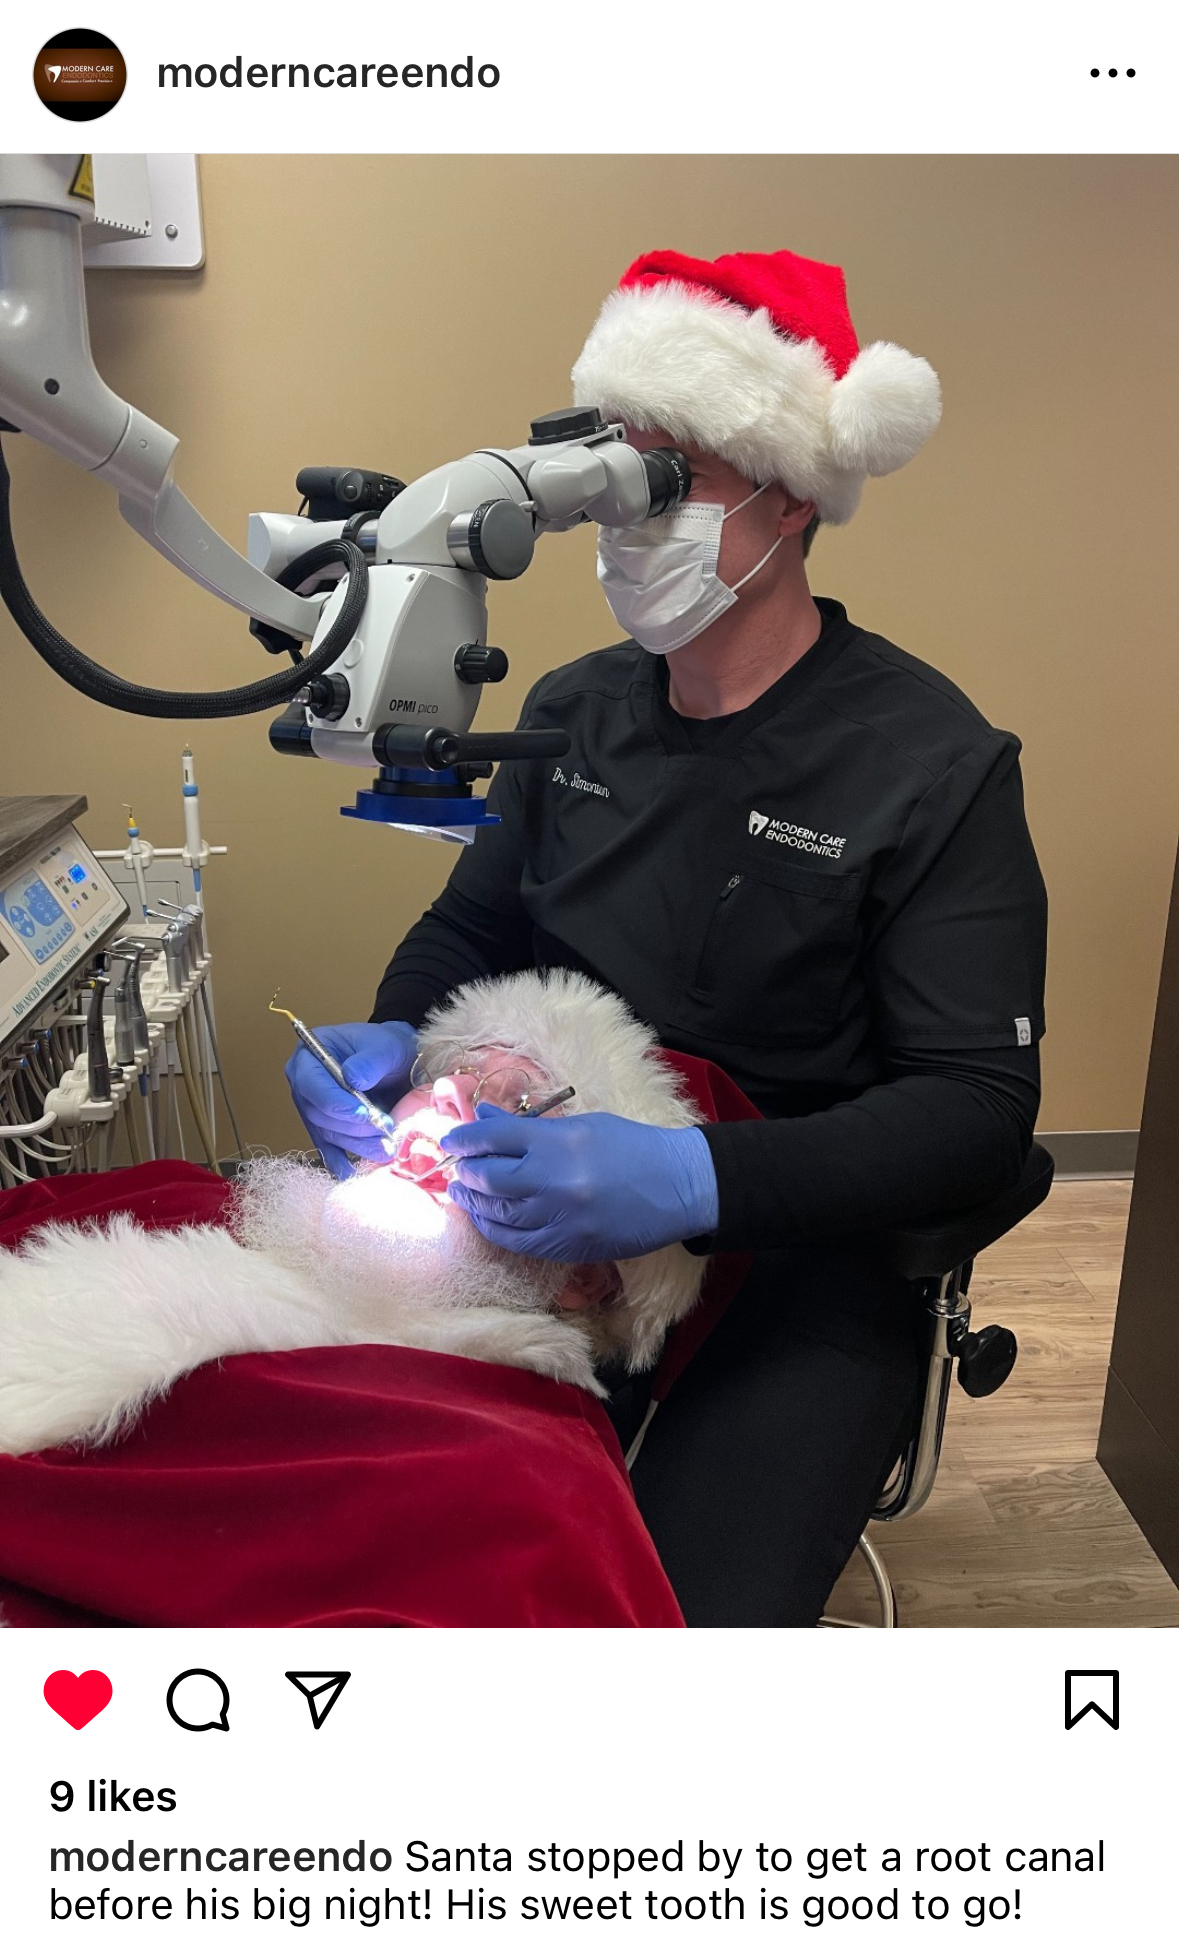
(884, 1591)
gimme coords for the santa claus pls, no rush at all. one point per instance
(308, 1402)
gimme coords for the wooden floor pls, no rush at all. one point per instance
(1024, 1528)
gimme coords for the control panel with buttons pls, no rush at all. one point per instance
(55, 911)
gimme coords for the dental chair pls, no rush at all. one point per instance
(937, 1259)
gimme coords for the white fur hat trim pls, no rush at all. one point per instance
(666, 358)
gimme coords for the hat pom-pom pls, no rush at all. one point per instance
(882, 410)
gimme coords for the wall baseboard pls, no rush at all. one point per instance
(1093, 1153)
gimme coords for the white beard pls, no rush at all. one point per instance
(96, 1322)
(377, 1244)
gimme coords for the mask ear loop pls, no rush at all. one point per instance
(748, 501)
(738, 585)
(741, 505)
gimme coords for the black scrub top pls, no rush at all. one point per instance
(832, 893)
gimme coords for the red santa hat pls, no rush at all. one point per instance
(754, 358)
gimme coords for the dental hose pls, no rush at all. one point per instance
(23, 1124)
(207, 1005)
(46, 1151)
(149, 1137)
(13, 1132)
(198, 1052)
(184, 1051)
(191, 1076)
(33, 1155)
(132, 1131)
(168, 1081)
(91, 680)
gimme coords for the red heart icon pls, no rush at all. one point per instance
(78, 1698)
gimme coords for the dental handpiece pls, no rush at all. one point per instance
(192, 915)
(121, 995)
(140, 1037)
(181, 946)
(134, 951)
(98, 1073)
(175, 959)
(384, 1123)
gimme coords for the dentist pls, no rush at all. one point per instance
(792, 848)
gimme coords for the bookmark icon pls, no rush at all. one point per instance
(1092, 1691)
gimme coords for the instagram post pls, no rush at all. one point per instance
(589, 977)
(666, 1159)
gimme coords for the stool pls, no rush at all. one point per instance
(937, 1259)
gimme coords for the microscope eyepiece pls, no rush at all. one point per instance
(669, 478)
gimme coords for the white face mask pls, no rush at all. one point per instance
(660, 577)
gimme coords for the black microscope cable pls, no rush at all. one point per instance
(91, 680)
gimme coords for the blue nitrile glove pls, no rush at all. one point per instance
(588, 1188)
(374, 1056)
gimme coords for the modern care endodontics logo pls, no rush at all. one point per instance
(79, 75)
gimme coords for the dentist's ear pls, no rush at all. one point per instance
(796, 515)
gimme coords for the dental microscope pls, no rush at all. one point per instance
(376, 594)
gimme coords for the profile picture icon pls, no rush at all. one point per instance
(79, 74)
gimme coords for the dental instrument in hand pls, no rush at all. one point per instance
(527, 1111)
(382, 1122)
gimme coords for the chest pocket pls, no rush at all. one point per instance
(773, 959)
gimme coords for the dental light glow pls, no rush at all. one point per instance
(380, 1201)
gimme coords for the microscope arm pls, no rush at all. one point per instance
(401, 643)
(51, 390)
(175, 529)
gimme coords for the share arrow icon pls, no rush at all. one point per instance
(322, 1691)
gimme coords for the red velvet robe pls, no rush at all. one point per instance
(351, 1486)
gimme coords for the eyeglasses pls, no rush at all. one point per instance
(499, 1082)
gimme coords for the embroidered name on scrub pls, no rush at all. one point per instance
(579, 783)
(822, 843)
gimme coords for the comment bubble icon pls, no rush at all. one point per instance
(197, 1700)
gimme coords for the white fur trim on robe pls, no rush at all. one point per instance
(97, 1322)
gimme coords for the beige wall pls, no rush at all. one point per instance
(393, 312)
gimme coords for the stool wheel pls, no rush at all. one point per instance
(986, 1360)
